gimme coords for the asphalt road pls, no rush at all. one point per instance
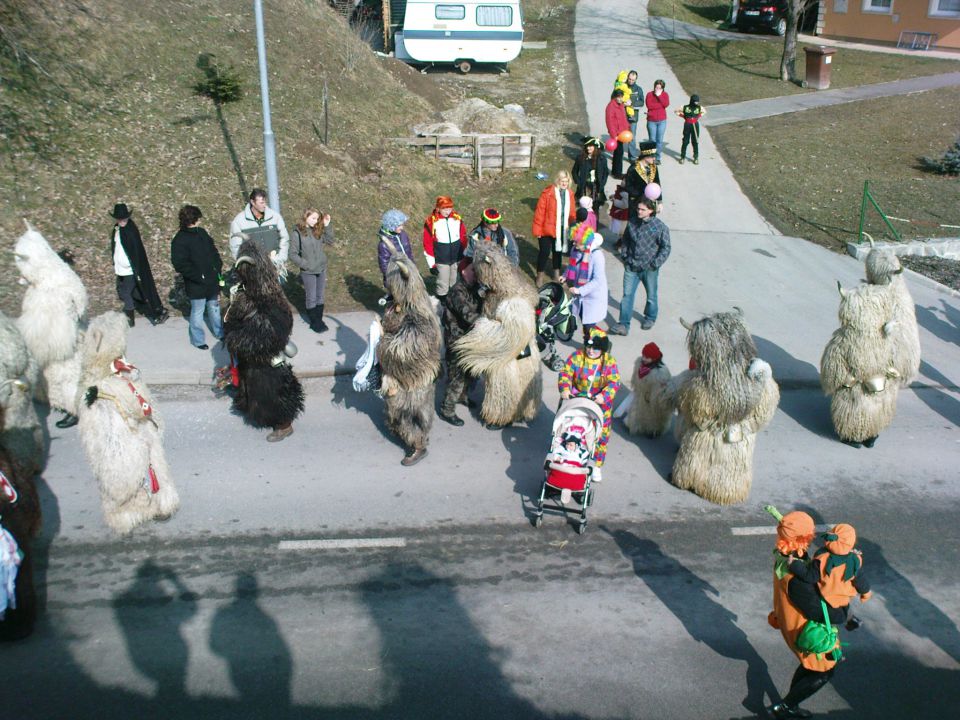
(661, 619)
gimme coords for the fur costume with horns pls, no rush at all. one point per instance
(23, 435)
(501, 346)
(884, 270)
(121, 431)
(257, 328)
(20, 516)
(722, 405)
(53, 313)
(409, 354)
(857, 369)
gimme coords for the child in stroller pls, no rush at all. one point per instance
(568, 467)
(555, 321)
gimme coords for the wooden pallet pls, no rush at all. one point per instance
(481, 152)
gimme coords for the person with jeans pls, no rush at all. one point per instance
(616, 119)
(657, 102)
(644, 249)
(197, 259)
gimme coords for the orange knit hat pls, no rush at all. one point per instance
(841, 539)
(794, 532)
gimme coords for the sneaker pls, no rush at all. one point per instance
(413, 457)
(565, 495)
(280, 433)
(597, 475)
(682, 159)
(618, 329)
(646, 324)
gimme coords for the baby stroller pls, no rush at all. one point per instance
(555, 321)
(568, 466)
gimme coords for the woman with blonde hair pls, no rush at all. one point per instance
(552, 218)
(307, 243)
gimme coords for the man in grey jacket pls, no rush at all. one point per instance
(262, 225)
(644, 248)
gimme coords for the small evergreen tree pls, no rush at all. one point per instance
(220, 84)
(949, 164)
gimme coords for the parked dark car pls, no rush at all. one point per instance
(771, 15)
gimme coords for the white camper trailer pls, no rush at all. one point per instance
(460, 33)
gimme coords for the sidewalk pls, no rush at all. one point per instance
(767, 107)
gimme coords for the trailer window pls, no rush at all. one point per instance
(494, 15)
(450, 12)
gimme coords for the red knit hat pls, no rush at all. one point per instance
(444, 201)
(491, 215)
(651, 351)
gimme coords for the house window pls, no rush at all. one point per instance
(878, 6)
(945, 8)
(494, 15)
(450, 12)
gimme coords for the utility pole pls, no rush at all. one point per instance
(269, 148)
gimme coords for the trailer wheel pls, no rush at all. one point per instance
(464, 66)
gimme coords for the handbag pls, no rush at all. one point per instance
(819, 638)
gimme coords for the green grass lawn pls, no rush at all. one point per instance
(709, 13)
(723, 71)
(805, 171)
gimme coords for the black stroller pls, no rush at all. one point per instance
(555, 321)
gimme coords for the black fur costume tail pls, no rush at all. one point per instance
(257, 327)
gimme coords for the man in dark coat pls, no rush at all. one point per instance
(130, 264)
(461, 310)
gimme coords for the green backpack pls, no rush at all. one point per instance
(819, 638)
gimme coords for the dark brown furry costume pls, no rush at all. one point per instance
(22, 520)
(257, 328)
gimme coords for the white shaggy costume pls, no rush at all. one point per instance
(51, 319)
(884, 270)
(121, 431)
(721, 405)
(501, 345)
(22, 436)
(653, 396)
(857, 369)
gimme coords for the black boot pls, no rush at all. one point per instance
(320, 323)
(131, 316)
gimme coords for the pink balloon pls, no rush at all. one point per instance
(611, 144)
(652, 191)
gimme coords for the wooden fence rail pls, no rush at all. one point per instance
(480, 152)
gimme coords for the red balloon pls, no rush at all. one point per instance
(611, 144)
(625, 137)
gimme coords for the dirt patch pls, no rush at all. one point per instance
(944, 270)
(419, 83)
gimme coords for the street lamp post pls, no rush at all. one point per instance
(269, 147)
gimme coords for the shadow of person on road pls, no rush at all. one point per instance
(946, 328)
(250, 642)
(800, 396)
(937, 400)
(151, 613)
(706, 620)
(449, 671)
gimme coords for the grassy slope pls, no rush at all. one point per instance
(722, 71)
(805, 171)
(131, 130)
(709, 13)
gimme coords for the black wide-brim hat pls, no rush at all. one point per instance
(121, 212)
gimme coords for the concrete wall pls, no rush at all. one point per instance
(858, 24)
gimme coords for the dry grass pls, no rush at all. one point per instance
(805, 171)
(724, 71)
(136, 133)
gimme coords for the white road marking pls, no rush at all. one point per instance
(343, 543)
(768, 529)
